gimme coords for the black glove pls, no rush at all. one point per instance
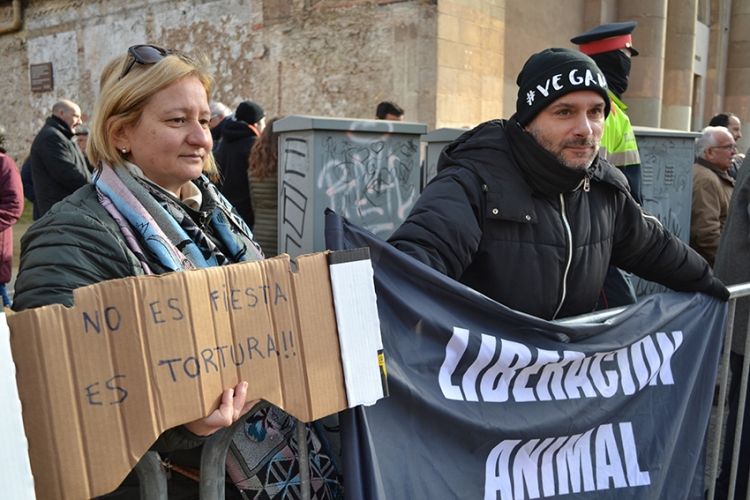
(717, 289)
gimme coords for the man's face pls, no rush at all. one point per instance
(395, 118)
(722, 152)
(571, 128)
(735, 127)
(71, 116)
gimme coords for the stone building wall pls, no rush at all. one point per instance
(292, 56)
(448, 63)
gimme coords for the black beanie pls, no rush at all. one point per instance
(552, 73)
(249, 112)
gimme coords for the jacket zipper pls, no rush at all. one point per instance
(569, 234)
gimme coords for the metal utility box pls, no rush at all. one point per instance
(365, 170)
(435, 141)
(667, 158)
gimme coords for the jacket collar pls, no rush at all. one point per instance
(60, 125)
(721, 173)
(546, 176)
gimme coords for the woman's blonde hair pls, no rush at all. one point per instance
(124, 98)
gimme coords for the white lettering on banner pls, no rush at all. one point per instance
(503, 370)
(594, 460)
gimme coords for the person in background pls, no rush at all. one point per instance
(387, 110)
(220, 115)
(28, 187)
(610, 46)
(263, 177)
(733, 267)
(712, 190)
(734, 125)
(11, 208)
(239, 135)
(525, 211)
(58, 166)
(82, 138)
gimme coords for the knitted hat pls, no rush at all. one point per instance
(551, 74)
(249, 112)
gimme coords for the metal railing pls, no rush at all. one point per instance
(722, 379)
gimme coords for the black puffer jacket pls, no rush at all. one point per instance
(504, 217)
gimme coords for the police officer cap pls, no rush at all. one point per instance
(607, 37)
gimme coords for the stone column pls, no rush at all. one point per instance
(678, 64)
(644, 95)
(596, 12)
(737, 96)
(470, 62)
(717, 58)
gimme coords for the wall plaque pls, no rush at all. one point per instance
(41, 77)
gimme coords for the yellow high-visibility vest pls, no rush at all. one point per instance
(618, 141)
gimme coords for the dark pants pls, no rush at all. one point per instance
(743, 465)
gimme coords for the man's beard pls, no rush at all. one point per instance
(582, 162)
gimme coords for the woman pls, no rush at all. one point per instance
(148, 210)
(11, 207)
(263, 178)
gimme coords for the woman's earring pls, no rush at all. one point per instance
(124, 151)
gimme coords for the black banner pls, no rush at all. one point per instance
(489, 403)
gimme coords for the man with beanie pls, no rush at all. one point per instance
(611, 47)
(238, 138)
(526, 212)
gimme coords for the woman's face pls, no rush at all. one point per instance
(172, 141)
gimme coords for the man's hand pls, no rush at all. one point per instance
(718, 290)
(232, 407)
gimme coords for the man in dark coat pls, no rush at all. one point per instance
(58, 166)
(525, 212)
(238, 137)
(733, 267)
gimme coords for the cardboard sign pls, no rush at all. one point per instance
(100, 381)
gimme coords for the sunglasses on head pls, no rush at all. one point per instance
(145, 54)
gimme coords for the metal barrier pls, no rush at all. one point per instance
(717, 418)
(153, 477)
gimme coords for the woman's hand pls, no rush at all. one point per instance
(232, 407)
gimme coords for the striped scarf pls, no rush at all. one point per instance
(165, 226)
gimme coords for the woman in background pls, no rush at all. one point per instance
(263, 177)
(11, 207)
